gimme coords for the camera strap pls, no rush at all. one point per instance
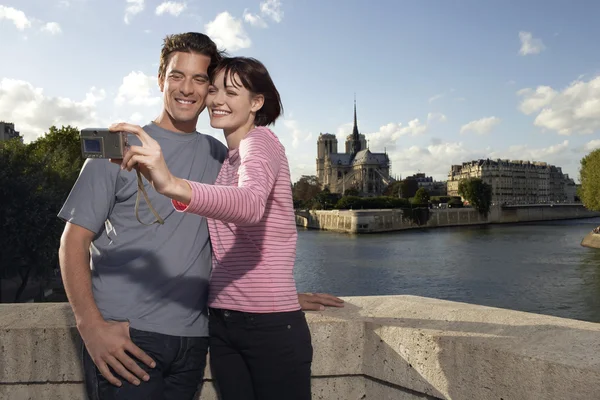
(141, 189)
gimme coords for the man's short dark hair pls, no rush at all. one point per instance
(189, 42)
(253, 75)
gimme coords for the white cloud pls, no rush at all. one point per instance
(272, 9)
(228, 32)
(436, 97)
(52, 27)
(535, 100)
(170, 7)
(33, 112)
(94, 96)
(17, 17)
(481, 126)
(436, 117)
(133, 7)
(576, 109)
(525, 153)
(64, 3)
(435, 159)
(137, 118)
(138, 89)
(385, 137)
(297, 134)
(529, 44)
(591, 145)
(254, 20)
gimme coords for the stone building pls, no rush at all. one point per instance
(357, 168)
(516, 182)
(7, 131)
(433, 187)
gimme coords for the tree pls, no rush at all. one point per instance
(325, 200)
(409, 188)
(477, 193)
(305, 190)
(35, 179)
(352, 192)
(393, 189)
(421, 197)
(60, 151)
(589, 175)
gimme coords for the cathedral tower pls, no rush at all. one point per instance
(356, 142)
(326, 144)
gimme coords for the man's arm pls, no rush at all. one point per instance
(74, 258)
(318, 301)
(107, 342)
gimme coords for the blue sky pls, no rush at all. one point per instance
(437, 82)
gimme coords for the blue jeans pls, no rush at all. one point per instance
(180, 363)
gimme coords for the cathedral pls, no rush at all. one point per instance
(357, 168)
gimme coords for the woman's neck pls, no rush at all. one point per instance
(234, 137)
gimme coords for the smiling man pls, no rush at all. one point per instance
(139, 290)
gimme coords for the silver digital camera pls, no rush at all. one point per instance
(102, 143)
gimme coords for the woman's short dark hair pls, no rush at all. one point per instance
(253, 75)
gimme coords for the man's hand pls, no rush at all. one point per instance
(107, 342)
(318, 301)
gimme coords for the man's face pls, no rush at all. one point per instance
(185, 85)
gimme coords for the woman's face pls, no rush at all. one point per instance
(230, 105)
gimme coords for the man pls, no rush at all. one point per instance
(141, 310)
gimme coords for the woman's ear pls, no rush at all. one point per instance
(257, 102)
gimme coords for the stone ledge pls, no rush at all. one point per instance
(591, 240)
(380, 347)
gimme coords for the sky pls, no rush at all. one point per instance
(436, 82)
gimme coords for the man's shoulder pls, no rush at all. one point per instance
(217, 148)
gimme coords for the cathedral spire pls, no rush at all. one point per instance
(356, 145)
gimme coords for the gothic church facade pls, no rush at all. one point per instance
(357, 168)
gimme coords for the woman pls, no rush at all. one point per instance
(260, 344)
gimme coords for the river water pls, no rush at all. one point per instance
(535, 267)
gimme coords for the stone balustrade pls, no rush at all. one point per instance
(380, 347)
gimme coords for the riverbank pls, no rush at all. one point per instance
(372, 221)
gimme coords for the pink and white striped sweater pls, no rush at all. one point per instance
(252, 227)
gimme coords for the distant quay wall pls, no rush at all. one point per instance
(372, 221)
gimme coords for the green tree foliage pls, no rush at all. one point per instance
(393, 189)
(305, 190)
(325, 200)
(35, 179)
(368, 203)
(477, 193)
(589, 175)
(409, 188)
(352, 192)
(455, 202)
(440, 199)
(421, 197)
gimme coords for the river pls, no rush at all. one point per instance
(535, 267)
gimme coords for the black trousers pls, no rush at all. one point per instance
(180, 363)
(260, 356)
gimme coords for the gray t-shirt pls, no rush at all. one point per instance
(157, 276)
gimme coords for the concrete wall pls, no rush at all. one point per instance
(365, 221)
(591, 240)
(381, 347)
